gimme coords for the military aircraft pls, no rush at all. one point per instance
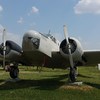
(45, 50)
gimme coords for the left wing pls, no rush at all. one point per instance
(92, 57)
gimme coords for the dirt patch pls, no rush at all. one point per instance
(73, 87)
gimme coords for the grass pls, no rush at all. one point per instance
(50, 85)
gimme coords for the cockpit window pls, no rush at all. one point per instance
(35, 41)
(51, 37)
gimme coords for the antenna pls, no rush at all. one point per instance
(49, 32)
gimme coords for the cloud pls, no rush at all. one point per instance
(21, 20)
(87, 6)
(33, 10)
(1, 8)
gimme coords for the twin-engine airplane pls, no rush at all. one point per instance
(45, 50)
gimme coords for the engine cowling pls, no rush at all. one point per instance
(13, 51)
(76, 49)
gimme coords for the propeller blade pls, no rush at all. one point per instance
(66, 34)
(69, 47)
(4, 46)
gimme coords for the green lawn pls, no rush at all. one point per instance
(50, 85)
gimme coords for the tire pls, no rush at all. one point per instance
(14, 73)
(72, 75)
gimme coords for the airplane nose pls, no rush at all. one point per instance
(31, 40)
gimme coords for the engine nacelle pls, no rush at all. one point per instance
(12, 52)
(76, 49)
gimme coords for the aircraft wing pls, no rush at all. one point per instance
(45, 54)
(40, 50)
(92, 57)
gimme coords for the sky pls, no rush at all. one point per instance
(82, 18)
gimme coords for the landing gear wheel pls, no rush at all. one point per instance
(14, 73)
(72, 74)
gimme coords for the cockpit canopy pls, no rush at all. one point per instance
(49, 36)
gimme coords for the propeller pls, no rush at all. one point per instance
(72, 74)
(69, 46)
(4, 46)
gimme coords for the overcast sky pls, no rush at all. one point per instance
(82, 18)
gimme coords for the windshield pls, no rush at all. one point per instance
(50, 36)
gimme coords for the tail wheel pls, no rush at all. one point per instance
(14, 73)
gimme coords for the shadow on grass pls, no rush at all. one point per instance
(93, 85)
(42, 84)
(84, 76)
(1, 81)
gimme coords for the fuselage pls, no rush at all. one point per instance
(39, 47)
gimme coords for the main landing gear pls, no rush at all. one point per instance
(73, 74)
(13, 70)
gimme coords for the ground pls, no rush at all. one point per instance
(50, 85)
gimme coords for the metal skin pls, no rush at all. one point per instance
(12, 55)
(69, 47)
(46, 47)
(13, 51)
(77, 51)
(75, 55)
(45, 50)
